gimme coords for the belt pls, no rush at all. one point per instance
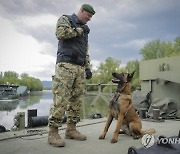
(73, 59)
(73, 62)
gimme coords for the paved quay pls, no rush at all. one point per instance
(34, 141)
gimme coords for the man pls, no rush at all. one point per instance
(72, 66)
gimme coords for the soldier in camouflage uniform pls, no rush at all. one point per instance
(72, 66)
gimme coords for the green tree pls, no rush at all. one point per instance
(159, 49)
(134, 66)
(33, 84)
(154, 49)
(10, 77)
(11, 74)
(24, 75)
(1, 75)
(177, 46)
(104, 72)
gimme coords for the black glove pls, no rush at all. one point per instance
(85, 29)
(88, 74)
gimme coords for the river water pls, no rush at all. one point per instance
(42, 101)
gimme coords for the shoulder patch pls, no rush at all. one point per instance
(63, 21)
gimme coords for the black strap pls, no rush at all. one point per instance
(73, 23)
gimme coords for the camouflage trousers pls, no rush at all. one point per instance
(68, 87)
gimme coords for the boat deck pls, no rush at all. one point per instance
(34, 141)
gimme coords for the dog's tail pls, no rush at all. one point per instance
(149, 131)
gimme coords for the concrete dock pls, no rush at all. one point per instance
(34, 141)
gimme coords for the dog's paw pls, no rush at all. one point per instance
(102, 137)
(113, 140)
(136, 137)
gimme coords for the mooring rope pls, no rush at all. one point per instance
(41, 132)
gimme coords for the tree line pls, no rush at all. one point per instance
(11, 77)
(151, 50)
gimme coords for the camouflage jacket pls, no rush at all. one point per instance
(65, 32)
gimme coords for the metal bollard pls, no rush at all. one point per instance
(142, 113)
(19, 121)
(31, 113)
(156, 114)
(22, 120)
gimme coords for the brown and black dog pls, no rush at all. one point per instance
(122, 109)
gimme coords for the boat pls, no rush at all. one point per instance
(8, 93)
(22, 91)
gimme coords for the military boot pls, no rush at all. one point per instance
(54, 138)
(72, 133)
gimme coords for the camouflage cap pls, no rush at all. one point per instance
(88, 8)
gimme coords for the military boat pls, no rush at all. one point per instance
(8, 93)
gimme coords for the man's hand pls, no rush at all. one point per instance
(79, 31)
(85, 29)
(88, 74)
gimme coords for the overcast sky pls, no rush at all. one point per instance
(119, 29)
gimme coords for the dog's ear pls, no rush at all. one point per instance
(113, 73)
(130, 76)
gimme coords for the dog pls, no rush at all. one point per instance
(122, 109)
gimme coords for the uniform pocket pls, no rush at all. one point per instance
(64, 78)
(55, 85)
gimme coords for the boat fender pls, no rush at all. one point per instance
(2, 129)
